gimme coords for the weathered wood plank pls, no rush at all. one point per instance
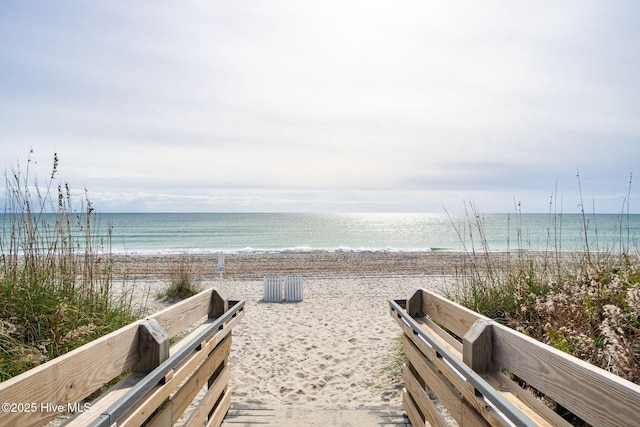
(218, 305)
(138, 414)
(477, 347)
(422, 399)
(457, 381)
(72, 376)
(597, 396)
(573, 383)
(180, 316)
(437, 383)
(163, 417)
(470, 418)
(412, 411)
(524, 400)
(459, 401)
(221, 410)
(199, 415)
(446, 339)
(188, 391)
(105, 400)
(153, 346)
(454, 317)
(414, 304)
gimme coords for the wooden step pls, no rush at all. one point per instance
(240, 415)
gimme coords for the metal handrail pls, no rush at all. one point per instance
(120, 406)
(510, 412)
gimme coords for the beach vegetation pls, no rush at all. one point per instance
(395, 361)
(584, 301)
(57, 290)
(183, 281)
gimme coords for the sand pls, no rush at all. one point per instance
(332, 349)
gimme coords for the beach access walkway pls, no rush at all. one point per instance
(304, 415)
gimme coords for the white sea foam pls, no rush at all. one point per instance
(294, 233)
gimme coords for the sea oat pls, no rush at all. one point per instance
(632, 299)
(80, 332)
(615, 345)
(7, 328)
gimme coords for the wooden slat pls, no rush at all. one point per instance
(573, 383)
(459, 384)
(180, 316)
(199, 416)
(595, 395)
(451, 389)
(188, 391)
(105, 400)
(454, 379)
(434, 379)
(524, 400)
(175, 348)
(412, 411)
(221, 410)
(422, 399)
(139, 414)
(470, 418)
(163, 417)
(446, 339)
(72, 376)
(454, 317)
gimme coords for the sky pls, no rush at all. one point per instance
(326, 106)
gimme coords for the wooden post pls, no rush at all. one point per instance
(477, 347)
(218, 305)
(414, 304)
(153, 346)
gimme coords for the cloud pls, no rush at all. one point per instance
(324, 105)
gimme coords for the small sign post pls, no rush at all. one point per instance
(221, 264)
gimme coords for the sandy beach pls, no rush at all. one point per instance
(331, 349)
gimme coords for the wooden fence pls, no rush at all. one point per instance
(468, 363)
(159, 381)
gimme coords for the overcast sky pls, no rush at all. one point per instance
(347, 106)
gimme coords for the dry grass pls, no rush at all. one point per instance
(586, 303)
(55, 275)
(183, 282)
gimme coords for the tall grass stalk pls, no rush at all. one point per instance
(56, 282)
(585, 302)
(183, 282)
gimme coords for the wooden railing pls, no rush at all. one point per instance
(160, 381)
(468, 363)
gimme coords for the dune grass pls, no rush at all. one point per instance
(57, 290)
(585, 302)
(183, 282)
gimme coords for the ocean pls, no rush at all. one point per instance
(162, 233)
